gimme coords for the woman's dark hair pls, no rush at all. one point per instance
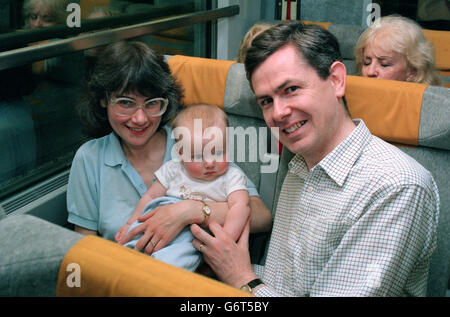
(124, 67)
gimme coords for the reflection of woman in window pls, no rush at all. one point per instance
(395, 48)
(43, 13)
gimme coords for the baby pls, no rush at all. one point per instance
(201, 172)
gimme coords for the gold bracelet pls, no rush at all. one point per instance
(206, 211)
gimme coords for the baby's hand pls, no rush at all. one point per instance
(121, 233)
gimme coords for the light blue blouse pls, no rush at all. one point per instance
(104, 188)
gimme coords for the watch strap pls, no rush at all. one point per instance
(254, 283)
(250, 286)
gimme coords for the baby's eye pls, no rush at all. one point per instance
(218, 153)
(197, 157)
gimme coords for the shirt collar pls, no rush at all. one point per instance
(340, 161)
(113, 151)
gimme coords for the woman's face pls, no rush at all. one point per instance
(384, 64)
(135, 131)
(40, 16)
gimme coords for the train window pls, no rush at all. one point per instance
(39, 126)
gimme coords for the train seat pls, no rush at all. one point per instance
(415, 117)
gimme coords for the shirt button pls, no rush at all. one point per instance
(309, 189)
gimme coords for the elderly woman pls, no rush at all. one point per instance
(395, 48)
(43, 13)
(109, 174)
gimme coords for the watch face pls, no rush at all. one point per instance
(207, 210)
(246, 288)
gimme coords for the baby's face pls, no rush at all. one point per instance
(209, 168)
(208, 161)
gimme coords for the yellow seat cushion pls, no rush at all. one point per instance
(383, 105)
(202, 79)
(109, 269)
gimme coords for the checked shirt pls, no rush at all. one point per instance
(362, 222)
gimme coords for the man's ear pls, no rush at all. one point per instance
(338, 76)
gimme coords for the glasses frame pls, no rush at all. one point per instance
(112, 101)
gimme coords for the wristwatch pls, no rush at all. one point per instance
(248, 288)
(206, 211)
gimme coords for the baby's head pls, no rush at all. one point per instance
(200, 131)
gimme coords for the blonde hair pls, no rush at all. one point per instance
(405, 37)
(210, 115)
(246, 42)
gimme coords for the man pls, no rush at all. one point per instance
(355, 216)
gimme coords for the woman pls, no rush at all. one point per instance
(246, 42)
(43, 13)
(395, 48)
(110, 174)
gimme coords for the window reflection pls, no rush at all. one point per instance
(44, 13)
(40, 129)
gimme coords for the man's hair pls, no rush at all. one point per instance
(316, 45)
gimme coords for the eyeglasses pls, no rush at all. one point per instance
(127, 107)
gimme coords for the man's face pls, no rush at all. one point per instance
(306, 109)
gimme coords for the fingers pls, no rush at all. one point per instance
(150, 248)
(201, 235)
(198, 245)
(146, 216)
(140, 229)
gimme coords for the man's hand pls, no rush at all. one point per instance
(230, 260)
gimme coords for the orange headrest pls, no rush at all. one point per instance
(382, 104)
(441, 42)
(203, 79)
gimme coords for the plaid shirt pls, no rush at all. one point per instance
(362, 222)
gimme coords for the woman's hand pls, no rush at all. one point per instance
(122, 232)
(162, 225)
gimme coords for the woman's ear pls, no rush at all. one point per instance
(411, 74)
(338, 75)
(103, 103)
